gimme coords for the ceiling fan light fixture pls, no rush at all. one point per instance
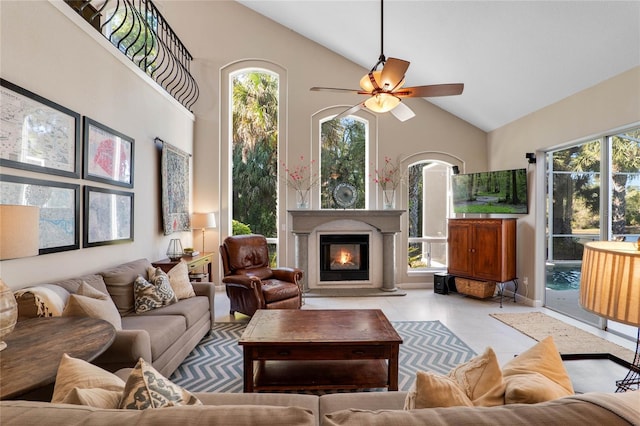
(365, 81)
(382, 102)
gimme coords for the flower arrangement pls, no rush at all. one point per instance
(390, 176)
(301, 177)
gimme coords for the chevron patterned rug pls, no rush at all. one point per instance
(215, 365)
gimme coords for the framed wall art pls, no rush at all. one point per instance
(108, 217)
(108, 155)
(175, 189)
(59, 204)
(37, 134)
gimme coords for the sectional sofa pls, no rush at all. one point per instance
(358, 409)
(163, 336)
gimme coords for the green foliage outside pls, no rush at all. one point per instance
(343, 159)
(133, 36)
(255, 151)
(576, 193)
(240, 228)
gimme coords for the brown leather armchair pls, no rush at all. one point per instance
(250, 283)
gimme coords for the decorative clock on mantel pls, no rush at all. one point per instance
(345, 195)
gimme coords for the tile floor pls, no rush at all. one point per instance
(469, 319)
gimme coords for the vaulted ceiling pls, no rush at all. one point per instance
(514, 57)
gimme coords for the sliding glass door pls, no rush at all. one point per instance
(593, 193)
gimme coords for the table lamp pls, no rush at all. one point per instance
(203, 221)
(19, 237)
(610, 287)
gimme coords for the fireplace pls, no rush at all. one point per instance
(344, 257)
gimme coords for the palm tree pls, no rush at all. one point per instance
(255, 151)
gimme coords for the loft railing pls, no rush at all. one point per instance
(141, 33)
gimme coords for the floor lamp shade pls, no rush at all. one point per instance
(610, 281)
(19, 231)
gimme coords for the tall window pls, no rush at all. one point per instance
(343, 159)
(255, 153)
(593, 194)
(429, 197)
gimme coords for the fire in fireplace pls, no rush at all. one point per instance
(344, 257)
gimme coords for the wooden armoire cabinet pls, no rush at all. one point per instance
(483, 249)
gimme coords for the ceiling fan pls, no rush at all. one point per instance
(385, 87)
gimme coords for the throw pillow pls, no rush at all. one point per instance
(89, 302)
(154, 294)
(45, 300)
(147, 388)
(536, 375)
(477, 382)
(481, 379)
(79, 382)
(180, 283)
(434, 390)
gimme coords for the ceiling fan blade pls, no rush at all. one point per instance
(349, 111)
(334, 89)
(430, 91)
(393, 72)
(402, 112)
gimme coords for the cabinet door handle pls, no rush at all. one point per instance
(358, 352)
(283, 353)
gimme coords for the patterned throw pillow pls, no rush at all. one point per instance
(154, 294)
(147, 388)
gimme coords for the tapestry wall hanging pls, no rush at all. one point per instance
(175, 189)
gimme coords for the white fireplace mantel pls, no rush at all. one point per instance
(387, 222)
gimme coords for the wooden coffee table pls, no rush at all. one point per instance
(320, 349)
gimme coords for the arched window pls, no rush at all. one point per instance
(429, 206)
(250, 125)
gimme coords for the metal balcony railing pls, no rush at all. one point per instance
(141, 33)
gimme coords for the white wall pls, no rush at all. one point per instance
(44, 51)
(220, 33)
(612, 104)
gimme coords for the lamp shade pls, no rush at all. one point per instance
(203, 220)
(19, 231)
(610, 281)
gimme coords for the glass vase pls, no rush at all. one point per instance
(388, 199)
(302, 198)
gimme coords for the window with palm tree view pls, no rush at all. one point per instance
(255, 155)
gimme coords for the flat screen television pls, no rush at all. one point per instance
(500, 192)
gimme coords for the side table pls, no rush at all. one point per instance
(193, 263)
(35, 347)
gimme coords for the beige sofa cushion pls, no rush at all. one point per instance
(434, 390)
(536, 375)
(19, 413)
(119, 281)
(476, 382)
(79, 382)
(163, 330)
(89, 302)
(179, 279)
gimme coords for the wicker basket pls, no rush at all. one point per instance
(479, 289)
